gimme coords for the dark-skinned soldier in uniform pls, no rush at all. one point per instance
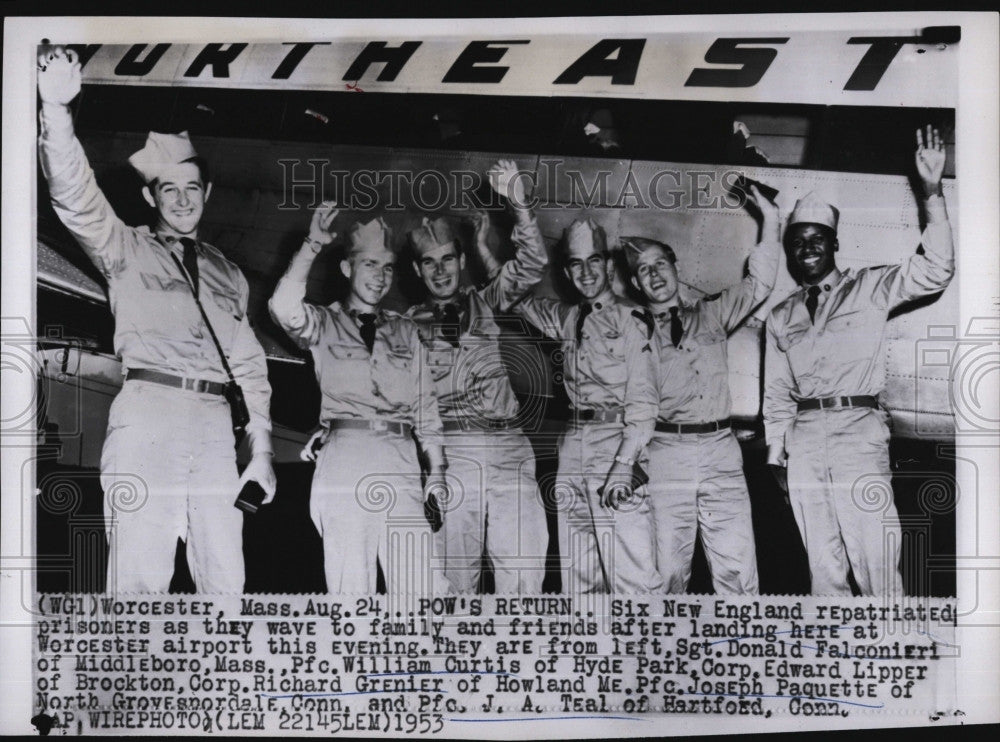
(824, 367)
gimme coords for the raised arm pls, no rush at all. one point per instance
(547, 315)
(76, 198)
(736, 302)
(931, 270)
(515, 277)
(298, 318)
(481, 227)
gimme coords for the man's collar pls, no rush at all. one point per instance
(172, 239)
(663, 310)
(380, 314)
(829, 282)
(603, 300)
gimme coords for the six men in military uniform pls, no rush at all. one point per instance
(417, 410)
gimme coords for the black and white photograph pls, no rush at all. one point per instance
(389, 377)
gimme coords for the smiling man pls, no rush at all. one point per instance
(697, 486)
(497, 510)
(168, 467)
(366, 500)
(609, 368)
(824, 367)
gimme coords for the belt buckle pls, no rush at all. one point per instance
(496, 424)
(379, 426)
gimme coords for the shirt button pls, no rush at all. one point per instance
(598, 305)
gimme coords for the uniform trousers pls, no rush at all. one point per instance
(367, 504)
(601, 548)
(697, 486)
(840, 488)
(494, 503)
(168, 470)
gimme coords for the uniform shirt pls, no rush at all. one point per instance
(471, 380)
(157, 323)
(694, 376)
(390, 383)
(842, 353)
(614, 366)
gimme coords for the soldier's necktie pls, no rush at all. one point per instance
(812, 301)
(585, 309)
(367, 329)
(450, 323)
(190, 261)
(676, 328)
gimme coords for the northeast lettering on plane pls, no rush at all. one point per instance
(617, 60)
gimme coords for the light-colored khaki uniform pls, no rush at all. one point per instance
(839, 480)
(614, 367)
(367, 499)
(168, 467)
(495, 498)
(696, 479)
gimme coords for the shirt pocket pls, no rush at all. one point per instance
(791, 338)
(706, 337)
(227, 302)
(441, 359)
(853, 335)
(394, 373)
(166, 304)
(613, 343)
(341, 350)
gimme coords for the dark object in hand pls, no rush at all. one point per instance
(639, 479)
(741, 188)
(251, 497)
(432, 511)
